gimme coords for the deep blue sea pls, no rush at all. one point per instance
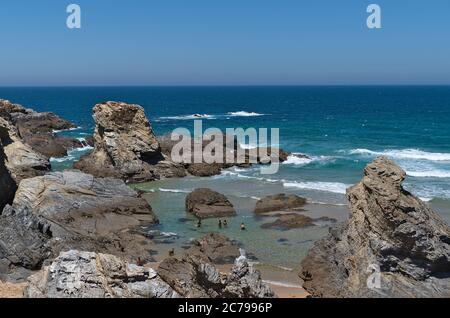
(340, 128)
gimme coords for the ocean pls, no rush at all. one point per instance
(341, 129)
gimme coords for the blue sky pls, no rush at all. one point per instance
(224, 42)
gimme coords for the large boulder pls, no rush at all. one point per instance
(194, 276)
(76, 274)
(279, 202)
(393, 245)
(73, 210)
(217, 247)
(206, 203)
(126, 147)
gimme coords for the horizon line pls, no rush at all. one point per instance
(220, 85)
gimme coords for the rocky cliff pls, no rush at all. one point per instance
(72, 210)
(37, 129)
(393, 245)
(125, 146)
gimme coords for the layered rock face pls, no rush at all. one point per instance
(73, 210)
(194, 276)
(21, 160)
(37, 129)
(76, 274)
(125, 146)
(205, 203)
(7, 184)
(393, 245)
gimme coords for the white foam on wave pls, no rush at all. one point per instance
(63, 159)
(243, 113)
(429, 174)
(188, 117)
(404, 154)
(297, 161)
(55, 131)
(334, 187)
(174, 190)
(208, 116)
(238, 175)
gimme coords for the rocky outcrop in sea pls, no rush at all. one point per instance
(37, 130)
(393, 245)
(205, 203)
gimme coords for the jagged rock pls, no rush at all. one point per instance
(76, 274)
(217, 247)
(245, 281)
(7, 184)
(73, 210)
(37, 129)
(25, 243)
(20, 159)
(279, 202)
(194, 276)
(391, 232)
(125, 146)
(205, 203)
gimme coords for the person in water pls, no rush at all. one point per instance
(220, 224)
(243, 228)
(199, 223)
(225, 223)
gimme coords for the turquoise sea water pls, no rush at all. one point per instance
(340, 128)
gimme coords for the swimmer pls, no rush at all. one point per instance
(243, 228)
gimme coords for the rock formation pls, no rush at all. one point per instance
(217, 247)
(279, 202)
(230, 149)
(194, 276)
(205, 203)
(7, 184)
(76, 274)
(393, 245)
(21, 160)
(73, 210)
(37, 129)
(125, 146)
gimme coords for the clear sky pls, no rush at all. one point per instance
(224, 42)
